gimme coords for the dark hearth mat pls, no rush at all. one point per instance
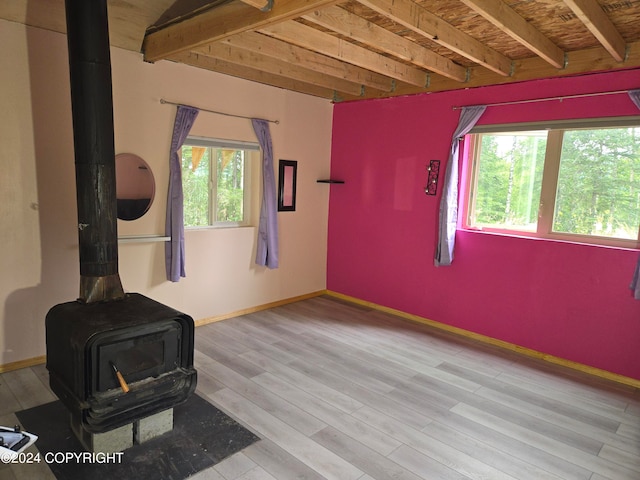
(202, 436)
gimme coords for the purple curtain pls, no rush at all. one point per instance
(449, 202)
(174, 225)
(267, 252)
(635, 283)
(635, 97)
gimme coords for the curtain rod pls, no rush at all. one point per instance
(163, 101)
(546, 99)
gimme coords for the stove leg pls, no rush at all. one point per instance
(121, 438)
(113, 441)
(153, 426)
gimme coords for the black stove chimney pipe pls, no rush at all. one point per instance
(92, 108)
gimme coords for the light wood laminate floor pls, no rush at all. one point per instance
(337, 391)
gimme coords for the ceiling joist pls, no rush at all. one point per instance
(242, 71)
(421, 21)
(507, 20)
(591, 14)
(309, 38)
(257, 61)
(361, 30)
(286, 52)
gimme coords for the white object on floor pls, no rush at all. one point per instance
(13, 441)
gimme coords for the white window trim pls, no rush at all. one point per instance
(221, 143)
(549, 180)
(606, 122)
(195, 141)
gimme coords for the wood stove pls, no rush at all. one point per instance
(113, 358)
(148, 343)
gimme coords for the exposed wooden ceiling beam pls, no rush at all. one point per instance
(308, 37)
(425, 23)
(219, 23)
(591, 14)
(280, 50)
(361, 30)
(281, 68)
(507, 20)
(244, 72)
(579, 62)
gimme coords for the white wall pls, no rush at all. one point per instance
(39, 257)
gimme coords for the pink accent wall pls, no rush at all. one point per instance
(569, 300)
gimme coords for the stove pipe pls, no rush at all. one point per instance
(93, 138)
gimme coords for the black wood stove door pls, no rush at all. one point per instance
(137, 353)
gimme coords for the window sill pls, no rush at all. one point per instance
(629, 245)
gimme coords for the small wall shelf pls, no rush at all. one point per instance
(329, 180)
(143, 238)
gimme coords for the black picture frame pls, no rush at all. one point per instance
(287, 180)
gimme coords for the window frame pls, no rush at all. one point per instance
(546, 207)
(253, 154)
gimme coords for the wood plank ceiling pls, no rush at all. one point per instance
(358, 49)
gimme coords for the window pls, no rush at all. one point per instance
(579, 184)
(215, 181)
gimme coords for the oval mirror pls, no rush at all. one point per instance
(135, 186)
